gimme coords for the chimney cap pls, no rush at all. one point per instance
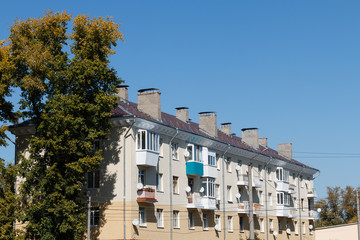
(246, 129)
(147, 90)
(122, 86)
(233, 134)
(226, 123)
(181, 108)
(208, 112)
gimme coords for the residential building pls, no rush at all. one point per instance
(166, 177)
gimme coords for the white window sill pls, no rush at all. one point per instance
(205, 229)
(161, 227)
(192, 228)
(142, 225)
(242, 231)
(230, 201)
(176, 227)
(174, 159)
(230, 231)
(160, 191)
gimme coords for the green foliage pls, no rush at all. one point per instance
(339, 207)
(69, 97)
(8, 203)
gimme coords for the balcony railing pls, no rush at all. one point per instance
(195, 200)
(194, 168)
(147, 158)
(312, 193)
(313, 214)
(244, 207)
(146, 195)
(243, 180)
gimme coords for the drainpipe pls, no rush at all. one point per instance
(124, 196)
(170, 180)
(300, 232)
(266, 202)
(223, 183)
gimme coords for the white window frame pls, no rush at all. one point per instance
(228, 164)
(261, 197)
(147, 140)
(230, 224)
(142, 176)
(159, 182)
(209, 187)
(211, 161)
(229, 193)
(142, 217)
(191, 223)
(270, 199)
(95, 179)
(271, 221)
(176, 219)
(260, 169)
(175, 151)
(175, 185)
(262, 225)
(303, 228)
(195, 153)
(217, 192)
(218, 222)
(218, 162)
(94, 217)
(269, 173)
(205, 222)
(160, 218)
(283, 198)
(296, 228)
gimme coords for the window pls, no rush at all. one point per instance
(142, 217)
(301, 181)
(217, 191)
(176, 219)
(161, 148)
(195, 153)
(241, 222)
(260, 172)
(160, 218)
(303, 228)
(261, 197)
(159, 182)
(205, 222)
(302, 204)
(283, 198)
(229, 195)
(279, 224)
(174, 151)
(141, 177)
(218, 222)
(211, 158)
(262, 228)
(191, 220)
(271, 224)
(294, 178)
(230, 224)
(147, 140)
(94, 217)
(209, 187)
(228, 164)
(218, 161)
(287, 225)
(296, 228)
(269, 174)
(270, 199)
(93, 179)
(175, 185)
(282, 174)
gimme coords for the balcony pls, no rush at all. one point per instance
(312, 193)
(146, 195)
(244, 208)
(282, 186)
(194, 168)
(202, 202)
(286, 211)
(292, 188)
(147, 158)
(313, 215)
(210, 171)
(243, 180)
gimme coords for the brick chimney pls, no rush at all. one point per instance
(207, 123)
(226, 128)
(122, 92)
(149, 102)
(285, 149)
(251, 137)
(263, 141)
(182, 113)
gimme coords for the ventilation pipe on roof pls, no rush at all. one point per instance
(285, 149)
(182, 113)
(251, 137)
(208, 122)
(122, 92)
(149, 102)
(226, 128)
(263, 141)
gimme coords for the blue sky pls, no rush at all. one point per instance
(290, 68)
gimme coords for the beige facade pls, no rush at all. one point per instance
(170, 179)
(338, 232)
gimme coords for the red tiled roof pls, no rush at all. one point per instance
(130, 108)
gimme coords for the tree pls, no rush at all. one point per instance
(69, 98)
(339, 207)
